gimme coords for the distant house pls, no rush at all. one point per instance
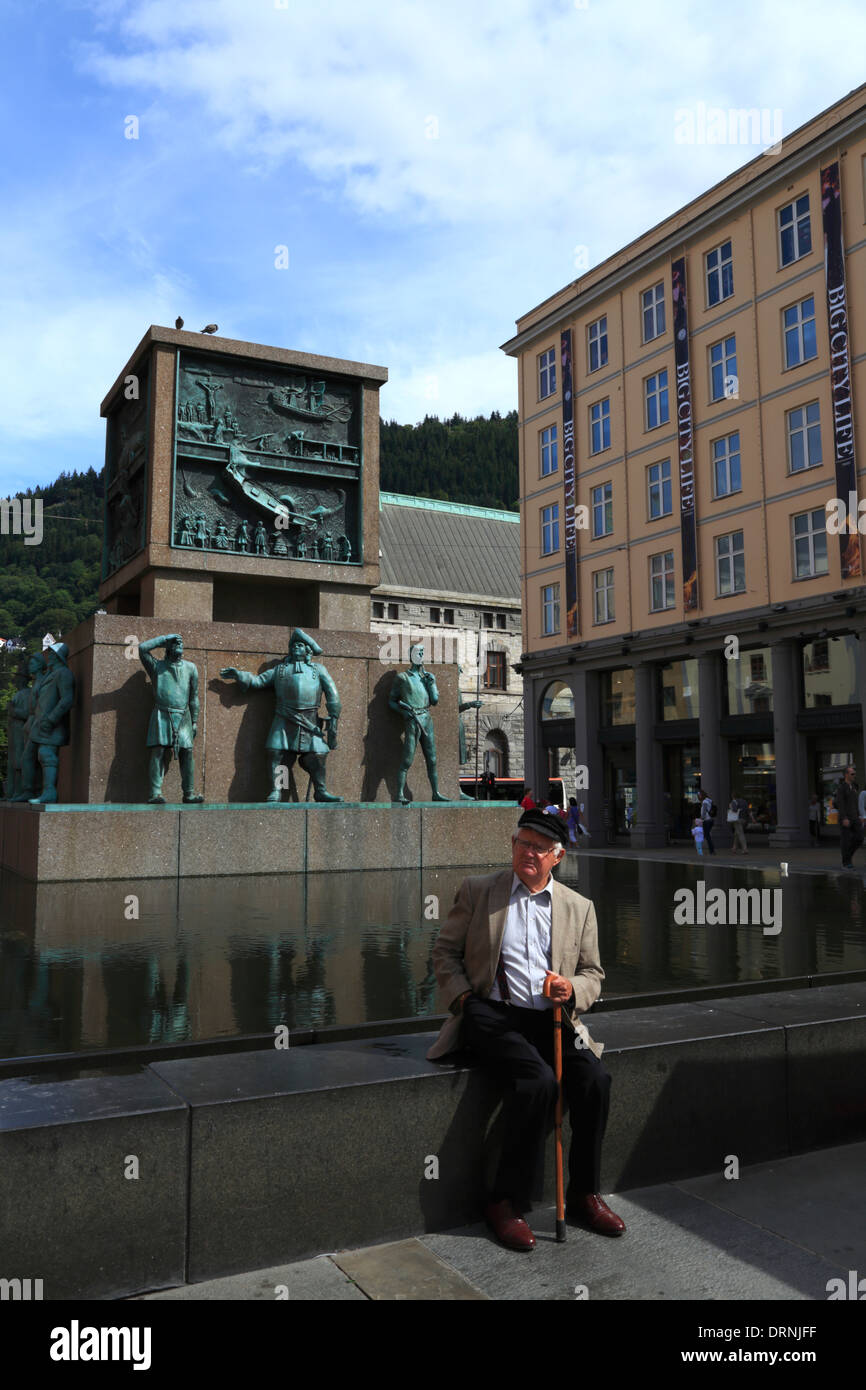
(450, 576)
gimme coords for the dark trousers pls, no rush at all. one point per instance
(708, 835)
(852, 838)
(516, 1047)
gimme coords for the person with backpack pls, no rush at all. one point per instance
(708, 814)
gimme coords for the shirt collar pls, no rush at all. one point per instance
(517, 886)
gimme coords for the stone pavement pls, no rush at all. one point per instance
(779, 1231)
(818, 859)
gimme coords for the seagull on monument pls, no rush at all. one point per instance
(211, 328)
(178, 323)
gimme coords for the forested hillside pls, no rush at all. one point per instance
(453, 460)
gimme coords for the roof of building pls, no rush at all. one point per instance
(449, 548)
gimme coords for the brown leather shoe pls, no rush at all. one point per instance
(591, 1210)
(508, 1226)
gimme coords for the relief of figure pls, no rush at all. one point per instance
(344, 549)
(221, 537)
(280, 547)
(260, 539)
(185, 533)
(242, 538)
(412, 695)
(327, 547)
(174, 721)
(21, 708)
(301, 547)
(49, 728)
(299, 685)
(201, 532)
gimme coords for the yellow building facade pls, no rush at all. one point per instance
(692, 614)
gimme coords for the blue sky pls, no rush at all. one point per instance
(430, 165)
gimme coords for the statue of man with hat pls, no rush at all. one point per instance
(49, 727)
(174, 720)
(299, 685)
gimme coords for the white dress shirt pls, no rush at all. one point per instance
(525, 953)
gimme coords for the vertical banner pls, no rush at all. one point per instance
(570, 487)
(685, 437)
(840, 367)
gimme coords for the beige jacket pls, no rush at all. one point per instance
(467, 950)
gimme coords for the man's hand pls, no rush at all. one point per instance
(557, 988)
(229, 673)
(194, 730)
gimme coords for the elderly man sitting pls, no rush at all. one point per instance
(505, 933)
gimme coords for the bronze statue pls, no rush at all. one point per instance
(54, 696)
(299, 685)
(174, 721)
(412, 694)
(21, 709)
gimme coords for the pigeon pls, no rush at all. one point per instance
(178, 323)
(211, 328)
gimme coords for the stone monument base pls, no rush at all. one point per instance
(80, 843)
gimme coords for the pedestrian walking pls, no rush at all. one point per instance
(737, 828)
(815, 818)
(847, 804)
(708, 812)
(698, 833)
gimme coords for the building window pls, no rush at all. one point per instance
(500, 620)
(378, 609)
(599, 419)
(393, 611)
(658, 477)
(661, 581)
(726, 465)
(550, 609)
(602, 596)
(550, 529)
(720, 274)
(653, 305)
(795, 231)
(758, 667)
(810, 544)
(548, 451)
(656, 395)
(617, 696)
(730, 564)
(799, 325)
(494, 676)
(435, 615)
(602, 510)
(487, 619)
(723, 369)
(547, 373)
(448, 616)
(804, 437)
(598, 344)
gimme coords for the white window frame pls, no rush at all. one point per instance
(596, 344)
(728, 549)
(549, 454)
(725, 361)
(599, 422)
(547, 373)
(807, 429)
(816, 530)
(602, 597)
(549, 609)
(550, 529)
(663, 575)
(661, 396)
(604, 504)
(725, 456)
(718, 270)
(798, 329)
(660, 486)
(655, 309)
(794, 224)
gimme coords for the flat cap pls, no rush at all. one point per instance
(545, 823)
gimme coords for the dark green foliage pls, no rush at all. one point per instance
(454, 460)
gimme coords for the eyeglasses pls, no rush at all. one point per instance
(529, 848)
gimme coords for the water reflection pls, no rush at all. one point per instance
(104, 965)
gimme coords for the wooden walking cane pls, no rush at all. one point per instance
(557, 1067)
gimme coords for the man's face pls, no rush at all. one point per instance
(297, 650)
(175, 651)
(850, 774)
(416, 654)
(532, 857)
(35, 665)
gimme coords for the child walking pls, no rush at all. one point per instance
(698, 832)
